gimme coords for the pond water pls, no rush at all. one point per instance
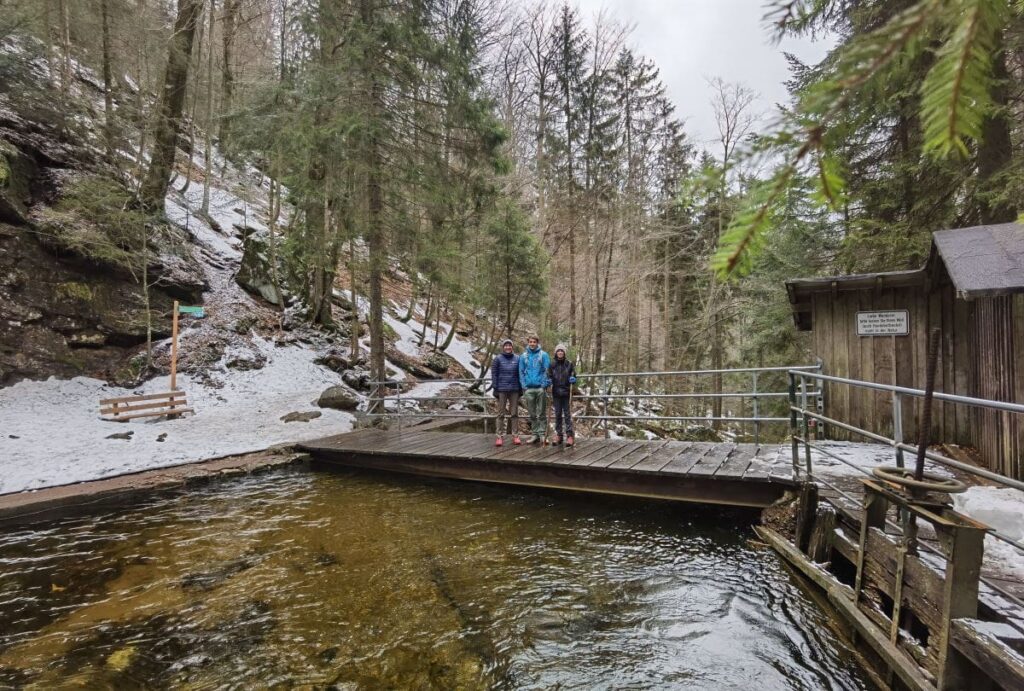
(296, 579)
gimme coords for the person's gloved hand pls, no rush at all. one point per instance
(572, 380)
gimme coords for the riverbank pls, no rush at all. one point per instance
(45, 504)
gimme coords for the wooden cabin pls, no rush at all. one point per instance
(875, 327)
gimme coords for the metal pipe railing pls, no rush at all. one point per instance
(605, 388)
(896, 442)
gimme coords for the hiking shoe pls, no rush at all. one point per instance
(516, 440)
(499, 442)
(570, 440)
(557, 440)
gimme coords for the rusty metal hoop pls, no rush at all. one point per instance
(930, 482)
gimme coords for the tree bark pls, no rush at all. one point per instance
(375, 239)
(172, 100)
(108, 86)
(227, 75)
(208, 139)
(995, 150)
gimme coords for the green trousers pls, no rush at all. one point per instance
(537, 407)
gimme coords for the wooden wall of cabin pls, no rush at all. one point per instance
(992, 328)
(998, 338)
(980, 356)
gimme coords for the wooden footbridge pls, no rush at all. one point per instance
(705, 472)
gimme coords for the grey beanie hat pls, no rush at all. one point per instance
(508, 341)
(561, 346)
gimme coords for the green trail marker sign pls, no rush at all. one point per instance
(196, 312)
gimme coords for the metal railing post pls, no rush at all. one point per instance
(757, 422)
(792, 420)
(398, 406)
(604, 419)
(806, 426)
(897, 426)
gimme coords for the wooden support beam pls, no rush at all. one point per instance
(842, 598)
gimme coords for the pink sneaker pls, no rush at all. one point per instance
(499, 442)
(516, 440)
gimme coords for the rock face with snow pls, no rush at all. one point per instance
(339, 398)
(63, 310)
(254, 274)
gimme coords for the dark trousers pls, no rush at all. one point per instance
(562, 412)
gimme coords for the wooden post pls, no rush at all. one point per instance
(964, 546)
(875, 507)
(806, 511)
(174, 348)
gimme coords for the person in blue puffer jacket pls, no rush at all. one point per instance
(533, 377)
(505, 382)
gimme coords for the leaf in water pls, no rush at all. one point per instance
(120, 659)
(54, 588)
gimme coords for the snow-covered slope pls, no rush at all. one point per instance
(52, 434)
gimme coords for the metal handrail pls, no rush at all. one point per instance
(906, 391)
(896, 441)
(599, 388)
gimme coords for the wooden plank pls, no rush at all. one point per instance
(736, 464)
(620, 454)
(962, 362)
(856, 396)
(141, 397)
(946, 363)
(982, 646)
(433, 443)
(840, 395)
(611, 445)
(710, 462)
(903, 365)
(169, 411)
(822, 324)
(681, 464)
(760, 465)
(656, 457)
(866, 353)
(883, 360)
(1017, 342)
(121, 409)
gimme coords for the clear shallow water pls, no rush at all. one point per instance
(294, 579)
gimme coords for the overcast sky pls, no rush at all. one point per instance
(693, 40)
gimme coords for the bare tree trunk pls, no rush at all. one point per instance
(227, 75)
(172, 100)
(208, 148)
(375, 240)
(275, 213)
(354, 335)
(65, 44)
(108, 87)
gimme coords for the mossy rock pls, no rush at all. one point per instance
(16, 173)
(73, 290)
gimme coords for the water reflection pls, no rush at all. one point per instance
(347, 581)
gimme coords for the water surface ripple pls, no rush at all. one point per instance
(352, 581)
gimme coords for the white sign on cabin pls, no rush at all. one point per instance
(883, 323)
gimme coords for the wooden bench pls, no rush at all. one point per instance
(148, 405)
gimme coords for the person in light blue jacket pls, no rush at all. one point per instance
(533, 377)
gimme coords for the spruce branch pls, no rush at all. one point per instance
(956, 91)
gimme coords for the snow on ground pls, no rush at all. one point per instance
(859, 459)
(53, 435)
(1001, 508)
